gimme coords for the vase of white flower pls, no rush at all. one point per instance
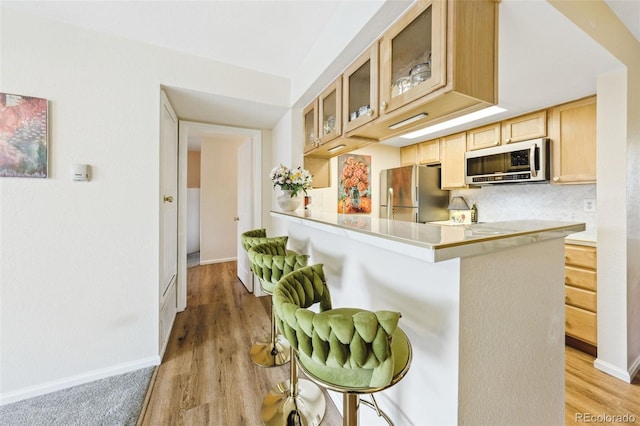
(290, 183)
(287, 202)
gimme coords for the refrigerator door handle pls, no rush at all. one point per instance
(389, 202)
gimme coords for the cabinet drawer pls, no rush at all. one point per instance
(580, 324)
(580, 298)
(578, 277)
(580, 256)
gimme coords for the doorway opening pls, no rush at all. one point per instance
(191, 134)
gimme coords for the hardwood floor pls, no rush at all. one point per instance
(207, 378)
(590, 393)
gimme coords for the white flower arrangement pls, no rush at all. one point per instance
(291, 180)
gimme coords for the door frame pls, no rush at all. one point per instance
(188, 129)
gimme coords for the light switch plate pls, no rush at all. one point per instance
(589, 205)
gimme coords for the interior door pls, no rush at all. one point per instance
(168, 217)
(244, 218)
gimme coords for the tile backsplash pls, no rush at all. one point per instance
(532, 201)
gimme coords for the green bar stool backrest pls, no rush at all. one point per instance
(259, 236)
(271, 261)
(346, 347)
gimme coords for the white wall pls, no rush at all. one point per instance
(219, 199)
(79, 261)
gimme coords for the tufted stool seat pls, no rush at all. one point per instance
(268, 351)
(348, 350)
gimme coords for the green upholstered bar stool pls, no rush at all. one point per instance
(274, 350)
(298, 401)
(347, 350)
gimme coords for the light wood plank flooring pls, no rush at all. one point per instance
(207, 378)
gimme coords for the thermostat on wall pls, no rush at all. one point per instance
(80, 172)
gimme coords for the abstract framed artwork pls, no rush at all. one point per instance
(23, 136)
(354, 187)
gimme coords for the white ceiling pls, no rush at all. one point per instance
(543, 58)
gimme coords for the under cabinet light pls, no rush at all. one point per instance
(468, 118)
(335, 148)
(408, 121)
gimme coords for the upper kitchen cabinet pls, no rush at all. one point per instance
(439, 60)
(483, 137)
(525, 127)
(409, 155)
(323, 130)
(310, 126)
(429, 152)
(572, 128)
(330, 112)
(452, 159)
(360, 94)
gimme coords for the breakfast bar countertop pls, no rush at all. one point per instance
(434, 242)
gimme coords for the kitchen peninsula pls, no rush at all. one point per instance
(482, 304)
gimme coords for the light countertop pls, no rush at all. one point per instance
(441, 241)
(586, 238)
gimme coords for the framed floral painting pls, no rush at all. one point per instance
(23, 136)
(354, 187)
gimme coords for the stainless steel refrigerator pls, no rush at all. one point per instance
(412, 193)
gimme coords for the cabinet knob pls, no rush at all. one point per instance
(167, 199)
(556, 178)
(507, 140)
(370, 113)
(496, 143)
(383, 106)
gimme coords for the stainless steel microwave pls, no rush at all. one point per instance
(519, 162)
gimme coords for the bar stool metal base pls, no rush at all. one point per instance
(307, 408)
(271, 354)
(351, 414)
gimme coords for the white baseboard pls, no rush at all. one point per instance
(624, 375)
(209, 262)
(67, 382)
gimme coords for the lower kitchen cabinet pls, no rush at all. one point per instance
(580, 296)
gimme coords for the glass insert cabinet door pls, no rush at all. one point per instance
(360, 94)
(330, 112)
(310, 137)
(413, 55)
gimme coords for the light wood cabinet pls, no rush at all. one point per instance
(310, 126)
(360, 94)
(433, 65)
(452, 156)
(409, 155)
(524, 127)
(413, 52)
(572, 128)
(320, 171)
(322, 124)
(581, 293)
(330, 112)
(429, 152)
(483, 137)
